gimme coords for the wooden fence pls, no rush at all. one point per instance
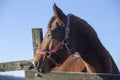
(31, 74)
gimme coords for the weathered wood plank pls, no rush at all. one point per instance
(30, 75)
(15, 65)
(71, 76)
(37, 37)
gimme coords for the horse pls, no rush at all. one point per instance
(71, 44)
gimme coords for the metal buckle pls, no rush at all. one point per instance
(47, 54)
(66, 42)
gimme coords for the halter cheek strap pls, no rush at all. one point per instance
(67, 29)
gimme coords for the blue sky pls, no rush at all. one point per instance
(18, 17)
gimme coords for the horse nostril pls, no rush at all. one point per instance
(35, 64)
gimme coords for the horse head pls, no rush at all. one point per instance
(52, 50)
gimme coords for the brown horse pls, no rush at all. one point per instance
(71, 44)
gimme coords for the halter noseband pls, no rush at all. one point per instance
(61, 44)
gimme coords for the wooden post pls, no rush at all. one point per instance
(15, 65)
(37, 38)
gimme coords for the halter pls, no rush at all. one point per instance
(59, 45)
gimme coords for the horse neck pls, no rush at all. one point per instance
(70, 65)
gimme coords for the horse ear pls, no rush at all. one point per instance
(58, 13)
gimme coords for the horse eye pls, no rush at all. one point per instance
(50, 34)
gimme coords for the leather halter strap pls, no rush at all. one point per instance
(67, 29)
(63, 43)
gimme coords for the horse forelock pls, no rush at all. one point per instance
(50, 22)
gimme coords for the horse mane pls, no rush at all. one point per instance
(83, 24)
(98, 48)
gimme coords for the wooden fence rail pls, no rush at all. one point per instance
(15, 65)
(31, 74)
